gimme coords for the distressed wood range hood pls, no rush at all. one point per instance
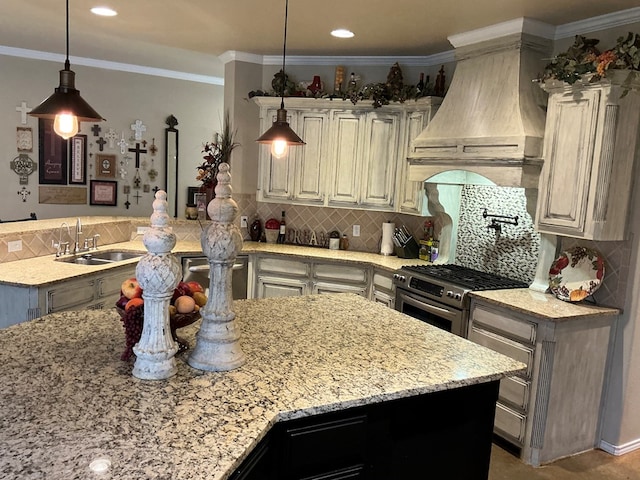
(492, 120)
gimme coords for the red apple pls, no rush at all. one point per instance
(180, 290)
(131, 289)
(195, 287)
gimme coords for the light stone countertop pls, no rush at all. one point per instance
(68, 399)
(542, 305)
(45, 270)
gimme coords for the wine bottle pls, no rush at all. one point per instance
(283, 230)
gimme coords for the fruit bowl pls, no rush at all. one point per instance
(178, 320)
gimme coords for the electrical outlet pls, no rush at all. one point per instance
(244, 221)
(141, 230)
(14, 246)
(356, 230)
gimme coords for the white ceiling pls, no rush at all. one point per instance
(146, 32)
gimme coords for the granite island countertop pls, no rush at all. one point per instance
(544, 306)
(68, 399)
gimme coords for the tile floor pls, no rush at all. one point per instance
(592, 465)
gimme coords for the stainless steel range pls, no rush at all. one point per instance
(437, 294)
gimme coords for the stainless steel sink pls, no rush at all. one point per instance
(99, 258)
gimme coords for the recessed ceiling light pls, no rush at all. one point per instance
(342, 33)
(104, 11)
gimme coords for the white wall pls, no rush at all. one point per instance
(121, 98)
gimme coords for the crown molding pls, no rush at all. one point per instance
(517, 25)
(107, 65)
(420, 61)
(593, 24)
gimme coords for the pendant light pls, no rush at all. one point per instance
(65, 106)
(280, 135)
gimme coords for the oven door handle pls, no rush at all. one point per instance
(443, 312)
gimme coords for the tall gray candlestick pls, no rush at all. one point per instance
(218, 341)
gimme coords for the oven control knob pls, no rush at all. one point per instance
(458, 296)
(450, 294)
(398, 277)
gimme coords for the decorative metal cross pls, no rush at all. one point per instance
(111, 137)
(96, 130)
(153, 149)
(155, 189)
(127, 204)
(23, 166)
(137, 151)
(139, 129)
(123, 144)
(101, 141)
(137, 196)
(23, 193)
(23, 109)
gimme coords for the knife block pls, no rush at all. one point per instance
(410, 249)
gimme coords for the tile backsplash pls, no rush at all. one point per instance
(513, 252)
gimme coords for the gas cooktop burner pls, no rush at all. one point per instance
(466, 277)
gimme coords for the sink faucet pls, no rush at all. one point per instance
(62, 247)
(78, 233)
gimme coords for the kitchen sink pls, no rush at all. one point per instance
(99, 258)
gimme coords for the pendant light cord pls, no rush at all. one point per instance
(284, 49)
(67, 65)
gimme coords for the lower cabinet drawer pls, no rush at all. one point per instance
(514, 390)
(517, 351)
(510, 423)
(342, 474)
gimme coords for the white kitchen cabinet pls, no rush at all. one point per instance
(97, 291)
(590, 144)
(552, 409)
(354, 157)
(276, 277)
(298, 177)
(411, 193)
(382, 289)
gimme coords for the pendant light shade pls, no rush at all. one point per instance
(65, 106)
(280, 135)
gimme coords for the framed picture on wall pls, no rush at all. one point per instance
(52, 161)
(103, 192)
(105, 165)
(78, 160)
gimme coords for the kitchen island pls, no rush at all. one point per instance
(67, 399)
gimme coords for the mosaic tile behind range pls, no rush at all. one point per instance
(512, 253)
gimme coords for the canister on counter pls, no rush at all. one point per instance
(435, 244)
(425, 250)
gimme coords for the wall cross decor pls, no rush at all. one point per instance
(23, 109)
(123, 144)
(139, 128)
(96, 130)
(153, 149)
(23, 193)
(111, 136)
(137, 151)
(23, 166)
(101, 141)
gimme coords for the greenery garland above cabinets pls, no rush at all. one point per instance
(355, 156)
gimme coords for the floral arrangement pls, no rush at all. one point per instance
(584, 58)
(216, 152)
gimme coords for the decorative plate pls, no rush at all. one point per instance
(576, 274)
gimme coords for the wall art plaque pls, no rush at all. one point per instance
(103, 192)
(78, 160)
(106, 165)
(62, 195)
(52, 168)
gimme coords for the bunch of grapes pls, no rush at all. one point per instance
(132, 320)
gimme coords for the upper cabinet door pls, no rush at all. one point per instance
(276, 174)
(346, 171)
(568, 152)
(411, 193)
(591, 140)
(380, 160)
(310, 159)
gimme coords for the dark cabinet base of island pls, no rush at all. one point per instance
(440, 435)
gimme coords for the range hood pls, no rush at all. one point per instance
(491, 121)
